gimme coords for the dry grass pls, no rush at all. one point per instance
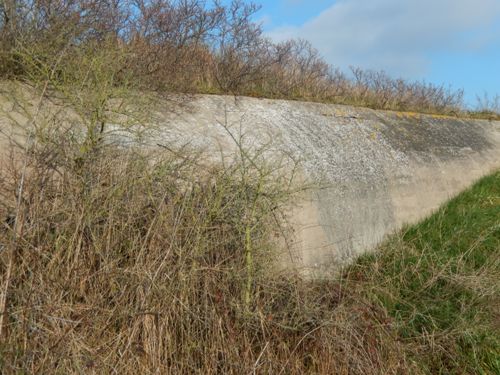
(127, 263)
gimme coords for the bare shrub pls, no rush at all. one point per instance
(170, 42)
(487, 107)
(197, 46)
(378, 90)
(297, 71)
(239, 50)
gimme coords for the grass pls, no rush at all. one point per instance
(440, 281)
(484, 115)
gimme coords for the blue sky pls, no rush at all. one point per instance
(455, 42)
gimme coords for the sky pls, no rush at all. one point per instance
(450, 42)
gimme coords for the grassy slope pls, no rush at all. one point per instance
(440, 279)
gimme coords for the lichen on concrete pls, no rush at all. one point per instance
(375, 170)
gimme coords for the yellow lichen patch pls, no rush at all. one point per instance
(441, 117)
(413, 114)
(339, 113)
(407, 115)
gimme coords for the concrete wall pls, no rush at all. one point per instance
(376, 170)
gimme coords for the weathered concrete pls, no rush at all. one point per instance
(375, 170)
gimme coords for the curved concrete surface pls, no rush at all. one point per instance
(376, 169)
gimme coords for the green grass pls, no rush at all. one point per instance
(439, 281)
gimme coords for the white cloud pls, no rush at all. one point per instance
(397, 35)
